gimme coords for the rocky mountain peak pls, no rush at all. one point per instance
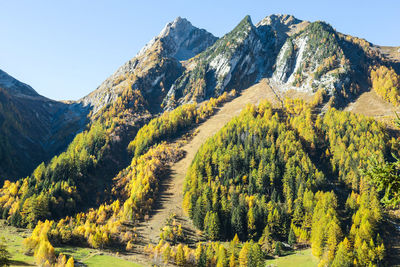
(247, 19)
(282, 25)
(15, 87)
(179, 26)
(277, 20)
(245, 24)
(181, 40)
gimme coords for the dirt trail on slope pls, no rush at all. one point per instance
(171, 195)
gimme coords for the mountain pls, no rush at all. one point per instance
(32, 128)
(185, 64)
(15, 87)
(245, 139)
(157, 65)
(295, 55)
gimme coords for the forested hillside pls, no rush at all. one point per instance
(259, 179)
(264, 180)
(283, 175)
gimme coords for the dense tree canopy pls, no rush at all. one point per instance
(270, 178)
(274, 175)
(386, 83)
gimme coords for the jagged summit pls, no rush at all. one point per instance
(181, 25)
(276, 20)
(283, 25)
(15, 87)
(246, 19)
(184, 63)
(181, 39)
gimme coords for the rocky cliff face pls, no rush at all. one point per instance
(235, 61)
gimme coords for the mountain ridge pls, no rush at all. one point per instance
(33, 128)
(185, 64)
(196, 78)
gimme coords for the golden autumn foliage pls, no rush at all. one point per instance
(106, 225)
(43, 251)
(207, 254)
(261, 178)
(170, 123)
(135, 187)
(386, 83)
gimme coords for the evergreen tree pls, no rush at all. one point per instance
(222, 258)
(212, 225)
(180, 256)
(343, 256)
(244, 255)
(278, 248)
(70, 262)
(232, 260)
(238, 221)
(292, 237)
(256, 256)
(201, 256)
(5, 255)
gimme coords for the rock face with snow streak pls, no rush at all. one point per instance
(155, 67)
(318, 58)
(235, 61)
(310, 60)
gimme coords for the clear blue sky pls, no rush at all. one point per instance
(65, 49)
